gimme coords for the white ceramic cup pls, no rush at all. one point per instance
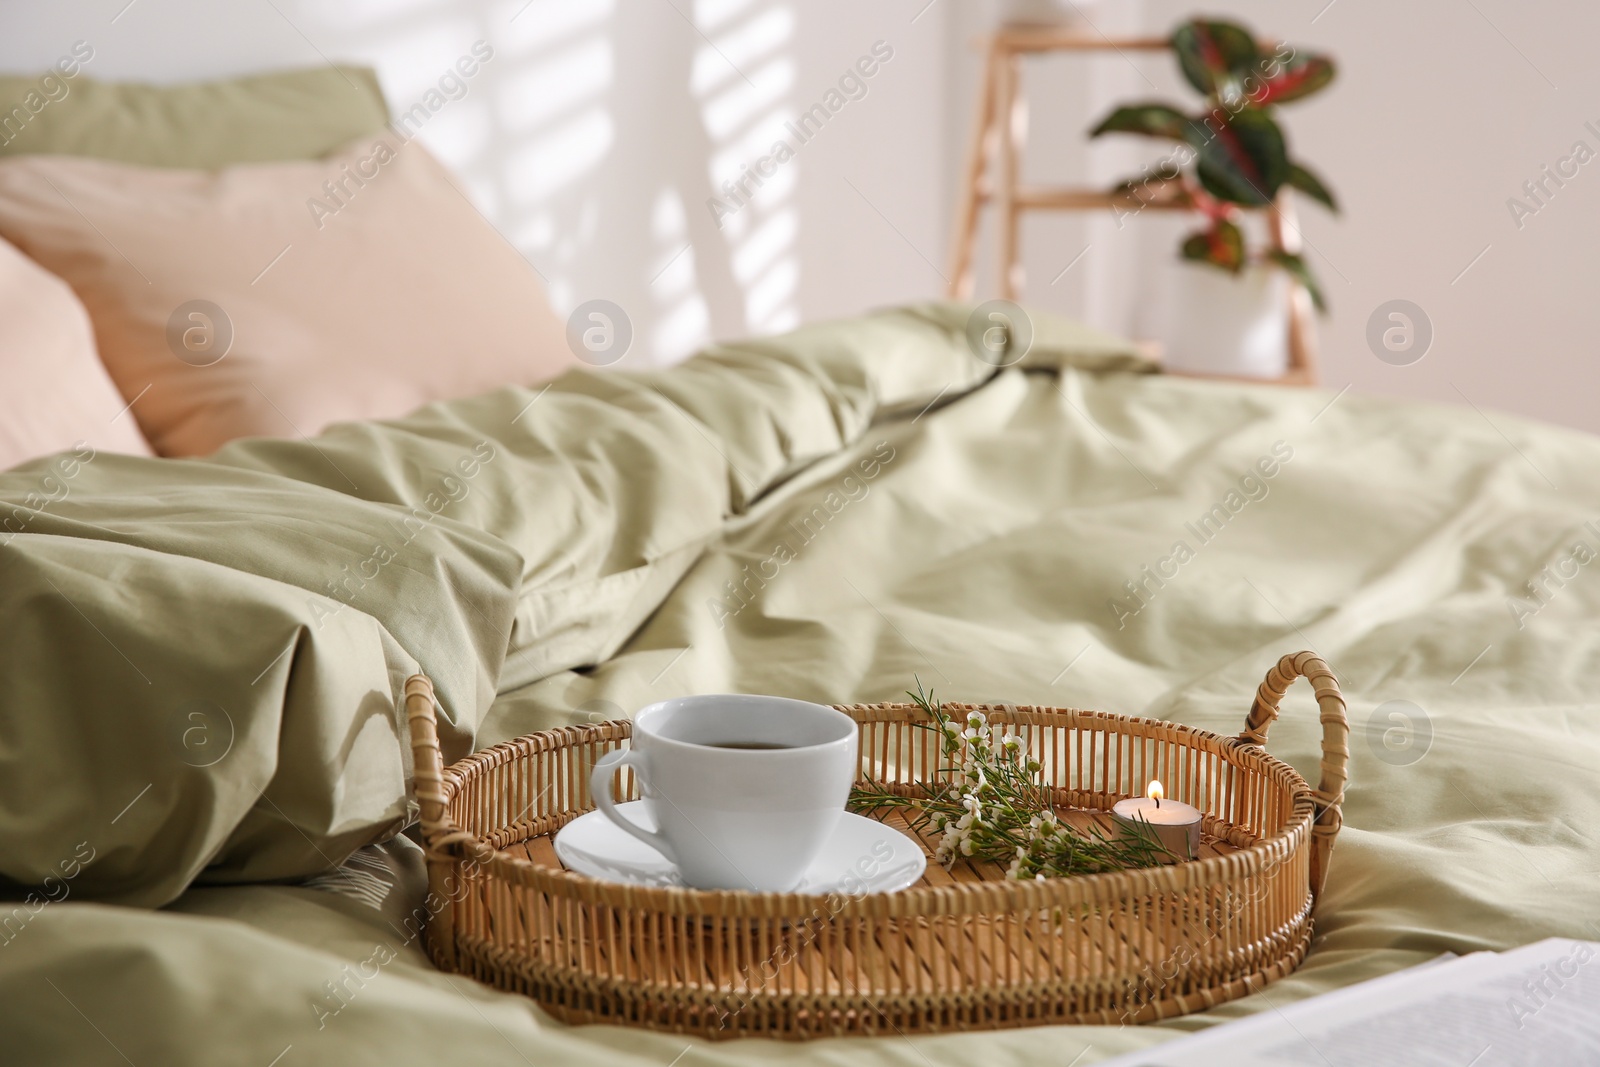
(748, 818)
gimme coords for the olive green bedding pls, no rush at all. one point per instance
(276, 115)
(203, 776)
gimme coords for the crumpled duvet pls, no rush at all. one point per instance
(828, 515)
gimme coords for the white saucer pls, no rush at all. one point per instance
(862, 856)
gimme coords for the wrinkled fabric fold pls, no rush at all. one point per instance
(274, 595)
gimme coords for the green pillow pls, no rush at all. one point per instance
(296, 114)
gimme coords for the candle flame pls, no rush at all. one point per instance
(1155, 792)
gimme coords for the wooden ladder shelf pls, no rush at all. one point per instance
(998, 145)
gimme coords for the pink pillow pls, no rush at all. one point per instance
(54, 394)
(271, 299)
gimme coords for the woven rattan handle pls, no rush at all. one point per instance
(1335, 745)
(439, 831)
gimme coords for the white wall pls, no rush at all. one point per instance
(588, 137)
(1443, 112)
(600, 129)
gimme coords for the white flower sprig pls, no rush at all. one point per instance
(991, 805)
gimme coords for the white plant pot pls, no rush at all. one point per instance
(1046, 12)
(1212, 322)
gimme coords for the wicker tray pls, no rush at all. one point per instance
(960, 950)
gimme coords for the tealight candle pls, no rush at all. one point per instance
(1175, 824)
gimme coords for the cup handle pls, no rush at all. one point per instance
(600, 787)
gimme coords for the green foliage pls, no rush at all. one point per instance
(1300, 77)
(989, 803)
(1296, 266)
(1215, 56)
(1222, 245)
(1308, 183)
(1243, 159)
(1240, 156)
(1150, 120)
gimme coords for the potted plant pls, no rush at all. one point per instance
(1230, 156)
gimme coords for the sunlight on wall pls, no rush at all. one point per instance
(607, 141)
(744, 75)
(600, 138)
(684, 322)
(554, 128)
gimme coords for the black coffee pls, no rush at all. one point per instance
(749, 746)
